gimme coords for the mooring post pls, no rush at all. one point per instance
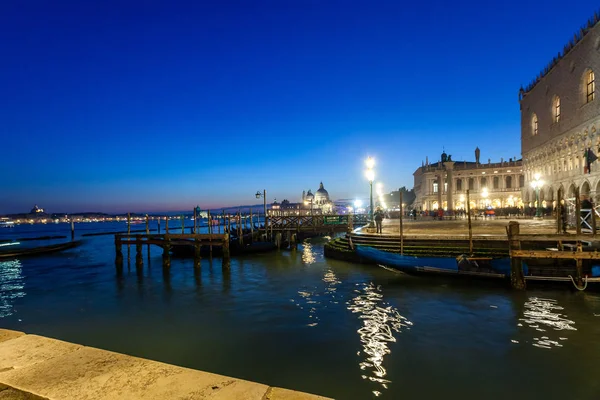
(251, 225)
(72, 229)
(195, 218)
(139, 260)
(577, 211)
(294, 242)
(166, 255)
(210, 232)
(197, 250)
(167, 224)
(240, 229)
(182, 224)
(226, 254)
(119, 252)
(559, 212)
(517, 279)
(593, 220)
(278, 240)
(129, 224)
(158, 225)
(401, 226)
(147, 225)
(469, 223)
(579, 264)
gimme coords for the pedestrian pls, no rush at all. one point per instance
(378, 219)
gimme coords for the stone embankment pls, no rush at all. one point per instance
(37, 367)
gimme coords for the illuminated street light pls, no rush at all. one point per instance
(370, 174)
(537, 184)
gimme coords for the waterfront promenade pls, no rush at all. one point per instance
(37, 367)
(458, 228)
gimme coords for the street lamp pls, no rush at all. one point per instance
(264, 196)
(370, 174)
(537, 184)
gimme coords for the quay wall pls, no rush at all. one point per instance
(35, 367)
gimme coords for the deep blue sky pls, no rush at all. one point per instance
(151, 106)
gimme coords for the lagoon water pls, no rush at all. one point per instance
(295, 319)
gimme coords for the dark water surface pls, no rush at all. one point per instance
(297, 320)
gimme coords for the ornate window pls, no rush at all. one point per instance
(534, 124)
(556, 109)
(471, 184)
(496, 182)
(435, 187)
(509, 182)
(590, 86)
(459, 184)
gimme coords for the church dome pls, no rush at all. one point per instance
(309, 195)
(322, 195)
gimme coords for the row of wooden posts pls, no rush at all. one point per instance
(243, 222)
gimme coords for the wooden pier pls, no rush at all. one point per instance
(167, 241)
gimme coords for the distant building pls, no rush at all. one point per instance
(318, 201)
(560, 121)
(36, 210)
(444, 184)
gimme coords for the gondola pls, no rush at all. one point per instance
(475, 267)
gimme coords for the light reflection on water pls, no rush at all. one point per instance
(379, 325)
(308, 255)
(541, 315)
(11, 286)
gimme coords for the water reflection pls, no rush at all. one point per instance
(379, 324)
(542, 315)
(11, 286)
(308, 254)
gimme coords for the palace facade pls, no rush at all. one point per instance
(560, 121)
(445, 184)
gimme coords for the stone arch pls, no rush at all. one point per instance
(585, 189)
(571, 191)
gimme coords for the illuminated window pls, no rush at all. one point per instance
(435, 187)
(590, 84)
(556, 109)
(534, 124)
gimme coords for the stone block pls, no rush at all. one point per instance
(90, 373)
(27, 350)
(6, 334)
(276, 393)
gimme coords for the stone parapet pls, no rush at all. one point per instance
(37, 367)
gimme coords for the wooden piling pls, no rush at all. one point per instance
(72, 230)
(119, 252)
(128, 223)
(195, 219)
(559, 212)
(197, 249)
(167, 224)
(166, 255)
(579, 265)
(210, 231)
(226, 254)
(139, 260)
(278, 240)
(251, 225)
(401, 227)
(158, 225)
(147, 225)
(294, 241)
(469, 223)
(593, 220)
(577, 212)
(517, 279)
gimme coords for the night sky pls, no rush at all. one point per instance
(159, 106)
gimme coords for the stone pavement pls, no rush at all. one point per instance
(36, 367)
(457, 228)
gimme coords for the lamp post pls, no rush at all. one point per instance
(370, 174)
(537, 184)
(264, 196)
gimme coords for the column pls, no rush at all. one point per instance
(440, 188)
(449, 171)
